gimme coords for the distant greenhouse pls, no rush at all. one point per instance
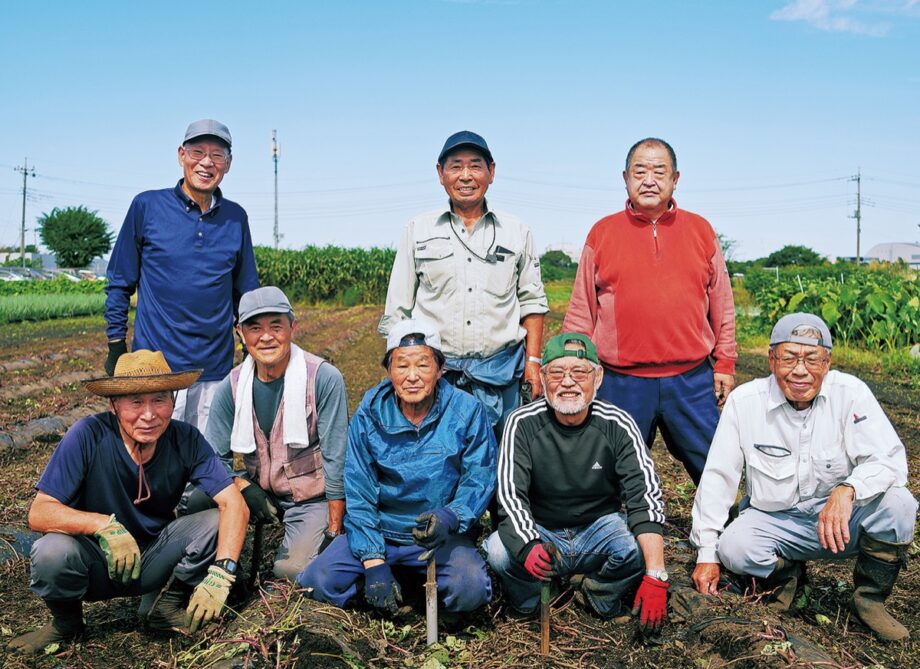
(909, 252)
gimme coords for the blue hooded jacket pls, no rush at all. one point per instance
(395, 471)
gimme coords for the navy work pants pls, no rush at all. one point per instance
(683, 407)
(463, 583)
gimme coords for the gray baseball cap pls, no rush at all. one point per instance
(208, 126)
(427, 334)
(265, 300)
(799, 328)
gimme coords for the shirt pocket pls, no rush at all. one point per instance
(831, 467)
(304, 473)
(434, 263)
(501, 275)
(771, 478)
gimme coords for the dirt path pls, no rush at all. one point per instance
(61, 353)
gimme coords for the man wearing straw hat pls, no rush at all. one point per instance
(105, 503)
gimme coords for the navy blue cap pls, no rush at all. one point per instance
(465, 138)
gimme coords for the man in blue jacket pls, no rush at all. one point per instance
(187, 253)
(419, 471)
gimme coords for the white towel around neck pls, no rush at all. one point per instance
(295, 431)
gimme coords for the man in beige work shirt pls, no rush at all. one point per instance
(473, 272)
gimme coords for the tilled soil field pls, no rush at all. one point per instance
(41, 365)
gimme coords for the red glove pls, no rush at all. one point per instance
(652, 600)
(539, 564)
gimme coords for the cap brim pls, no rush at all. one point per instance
(113, 386)
(208, 134)
(265, 310)
(460, 145)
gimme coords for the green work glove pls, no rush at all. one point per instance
(121, 552)
(208, 598)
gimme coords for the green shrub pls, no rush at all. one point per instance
(15, 308)
(877, 308)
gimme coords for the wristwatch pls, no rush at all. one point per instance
(227, 565)
(660, 574)
(329, 534)
(533, 358)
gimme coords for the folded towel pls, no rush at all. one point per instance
(295, 432)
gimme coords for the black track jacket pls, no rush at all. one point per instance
(559, 476)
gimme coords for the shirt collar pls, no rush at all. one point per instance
(448, 215)
(189, 203)
(776, 399)
(664, 218)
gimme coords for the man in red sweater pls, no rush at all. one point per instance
(653, 293)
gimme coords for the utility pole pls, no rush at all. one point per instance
(26, 173)
(858, 213)
(275, 151)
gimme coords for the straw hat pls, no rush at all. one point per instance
(139, 372)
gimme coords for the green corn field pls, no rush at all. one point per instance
(327, 274)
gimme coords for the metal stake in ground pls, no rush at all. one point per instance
(545, 591)
(431, 597)
(258, 537)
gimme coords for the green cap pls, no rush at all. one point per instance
(555, 348)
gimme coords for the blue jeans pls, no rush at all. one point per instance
(682, 406)
(605, 551)
(463, 583)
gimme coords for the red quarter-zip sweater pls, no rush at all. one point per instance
(655, 298)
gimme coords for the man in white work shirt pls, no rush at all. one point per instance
(825, 475)
(473, 273)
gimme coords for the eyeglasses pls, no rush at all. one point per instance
(813, 361)
(217, 157)
(578, 374)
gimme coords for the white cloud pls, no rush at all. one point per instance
(840, 15)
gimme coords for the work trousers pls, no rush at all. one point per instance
(304, 524)
(753, 541)
(67, 567)
(683, 407)
(463, 583)
(193, 404)
(605, 552)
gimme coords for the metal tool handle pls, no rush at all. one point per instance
(545, 590)
(431, 597)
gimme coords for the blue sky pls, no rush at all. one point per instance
(771, 105)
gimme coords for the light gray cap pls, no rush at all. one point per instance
(799, 328)
(429, 335)
(264, 300)
(208, 126)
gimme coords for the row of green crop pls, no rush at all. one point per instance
(58, 286)
(330, 273)
(876, 309)
(15, 308)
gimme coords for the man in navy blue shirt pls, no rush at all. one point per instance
(105, 503)
(187, 252)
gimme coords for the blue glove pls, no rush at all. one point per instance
(381, 590)
(434, 526)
